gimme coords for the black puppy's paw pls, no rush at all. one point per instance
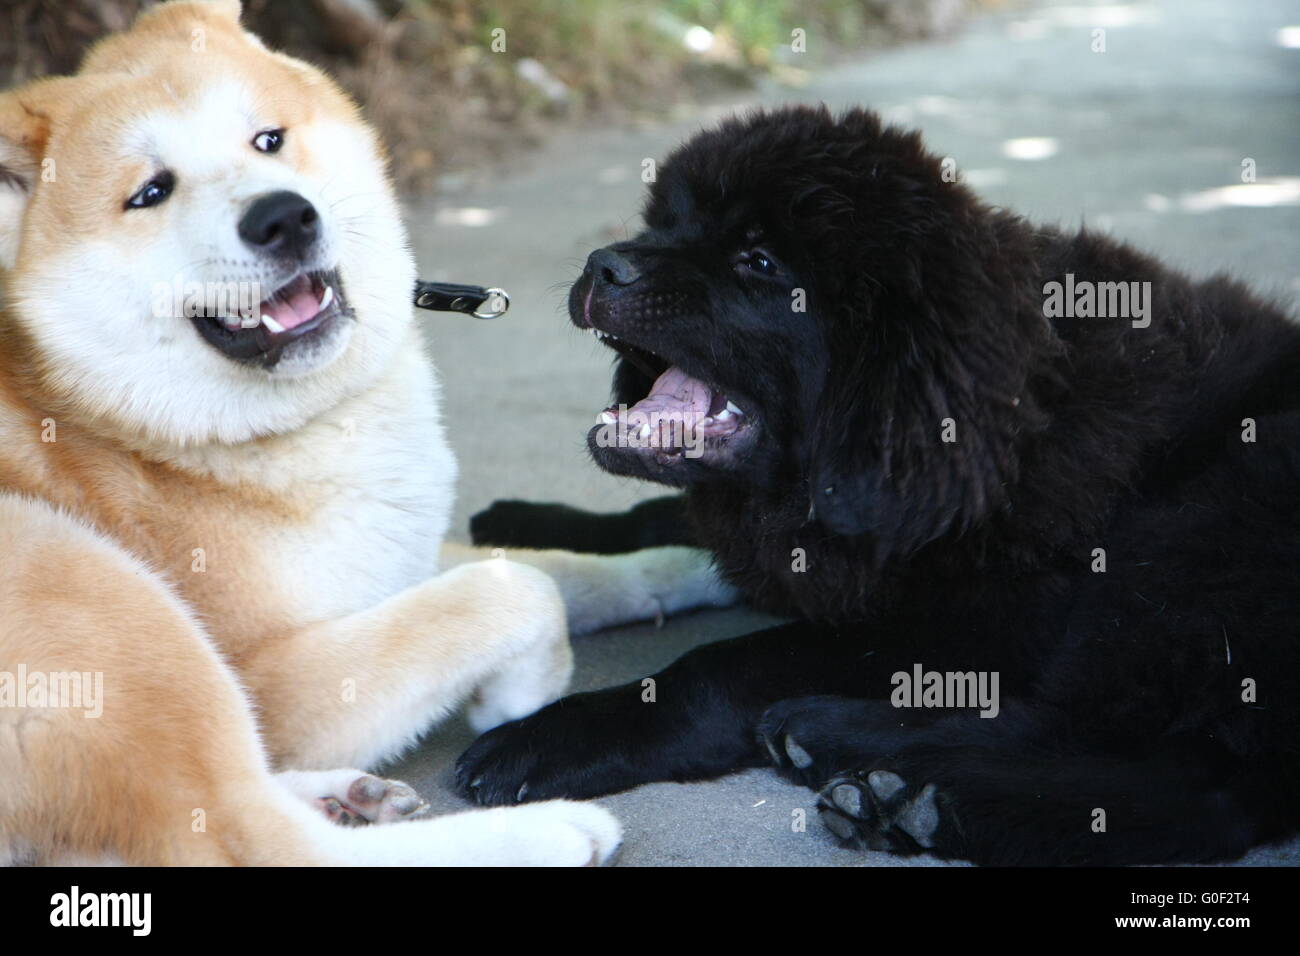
(811, 738)
(879, 810)
(564, 750)
(504, 766)
(509, 523)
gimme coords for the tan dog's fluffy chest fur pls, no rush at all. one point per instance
(243, 549)
(312, 525)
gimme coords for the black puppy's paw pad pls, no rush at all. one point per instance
(920, 818)
(798, 756)
(844, 813)
(879, 811)
(885, 783)
(848, 800)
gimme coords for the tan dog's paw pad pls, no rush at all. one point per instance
(370, 799)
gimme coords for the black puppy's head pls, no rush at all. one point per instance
(812, 300)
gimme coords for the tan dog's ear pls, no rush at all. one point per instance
(27, 117)
(184, 15)
(177, 11)
(194, 23)
(24, 132)
(230, 9)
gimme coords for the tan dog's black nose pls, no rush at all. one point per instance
(282, 222)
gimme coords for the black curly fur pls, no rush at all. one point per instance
(1122, 691)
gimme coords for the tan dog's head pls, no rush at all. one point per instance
(198, 238)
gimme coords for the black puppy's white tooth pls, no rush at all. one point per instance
(272, 325)
(733, 408)
(326, 298)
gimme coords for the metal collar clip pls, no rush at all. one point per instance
(475, 300)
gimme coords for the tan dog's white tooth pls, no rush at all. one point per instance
(326, 298)
(272, 325)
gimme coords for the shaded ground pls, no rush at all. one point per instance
(1143, 139)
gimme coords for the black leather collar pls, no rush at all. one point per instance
(475, 300)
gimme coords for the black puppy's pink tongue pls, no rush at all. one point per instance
(675, 391)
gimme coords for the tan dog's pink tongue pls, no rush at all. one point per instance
(294, 305)
(676, 391)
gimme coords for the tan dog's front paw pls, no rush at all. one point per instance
(372, 799)
(353, 798)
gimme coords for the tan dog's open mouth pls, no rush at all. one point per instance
(306, 306)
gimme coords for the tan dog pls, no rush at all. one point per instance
(221, 512)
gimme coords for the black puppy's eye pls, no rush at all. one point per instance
(756, 260)
(153, 192)
(269, 140)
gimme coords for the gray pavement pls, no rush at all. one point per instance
(1145, 140)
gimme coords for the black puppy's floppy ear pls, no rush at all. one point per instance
(908, 446)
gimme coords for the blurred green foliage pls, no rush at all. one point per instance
(427, 75)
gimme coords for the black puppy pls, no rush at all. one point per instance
(1033, 498)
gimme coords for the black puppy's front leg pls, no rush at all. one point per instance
(528, 524)
(694, 720)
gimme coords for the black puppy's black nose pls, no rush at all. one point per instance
(281, 222)
(606, 265)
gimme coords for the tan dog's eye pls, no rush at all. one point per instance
(153, 192)
(269, 140)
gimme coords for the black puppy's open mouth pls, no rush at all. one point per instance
(305, 306)
(682, 417)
